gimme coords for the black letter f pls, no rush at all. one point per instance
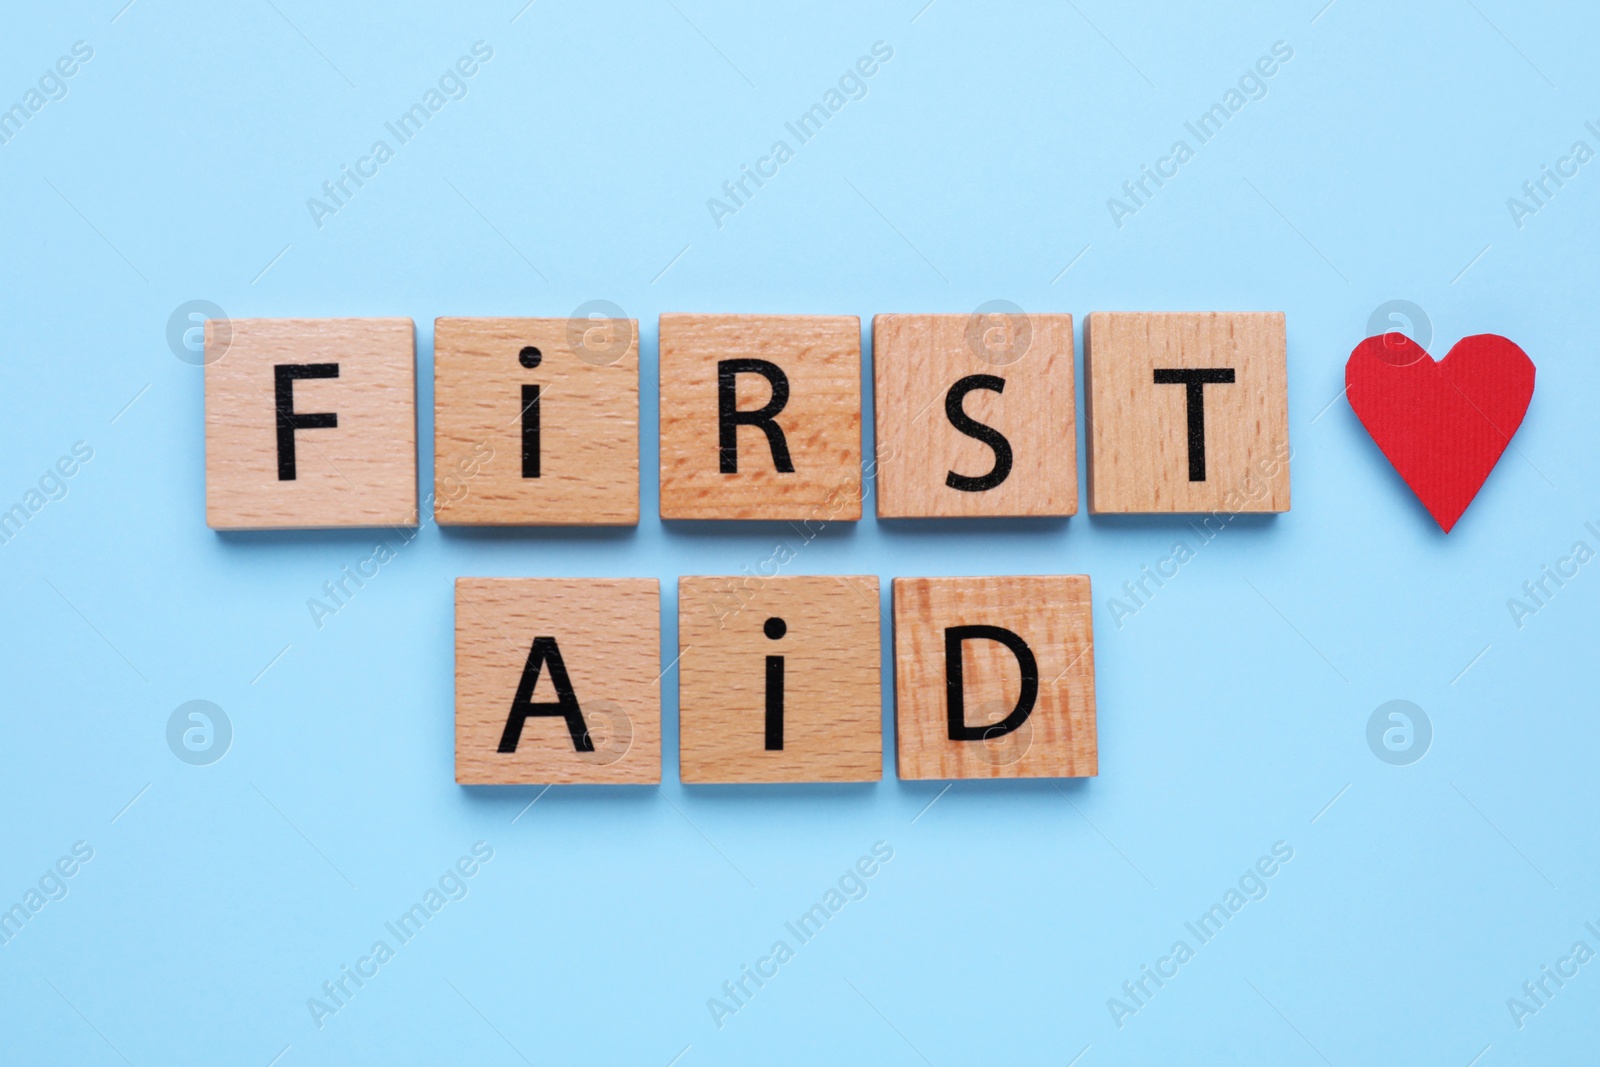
(284, 375)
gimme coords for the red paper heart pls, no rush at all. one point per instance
(1442, 424)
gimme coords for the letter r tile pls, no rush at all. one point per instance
(994, 678)
(1187, 412)
(975, 415)
(558, 681)
(310, 423)
(761, 417)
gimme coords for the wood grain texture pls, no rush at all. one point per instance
(916, 360)
(362, 472)
(1052, 615)
(608, 632)
(1138, 435)
(821, 356)
(832, 721)
(587, 373)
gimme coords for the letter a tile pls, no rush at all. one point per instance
(310, 423)
(994, 678)
(779, 679)
(557, 681)
(1187, 412)
(761, 417)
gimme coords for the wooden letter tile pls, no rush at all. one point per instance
(310, 423)
(779, 680)
(1187, 412)
(974, 415)
(1016, 657)
(557, 681)
(536, 422)
(761, 417)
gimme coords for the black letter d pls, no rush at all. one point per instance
(955, 696)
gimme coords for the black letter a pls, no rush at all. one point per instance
(565, 705)
(955, 696)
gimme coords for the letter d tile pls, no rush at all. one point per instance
(994, 677)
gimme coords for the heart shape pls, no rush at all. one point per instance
(1442, 424)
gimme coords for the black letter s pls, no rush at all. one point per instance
(977, 430)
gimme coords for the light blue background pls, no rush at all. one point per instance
(1233, 707)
